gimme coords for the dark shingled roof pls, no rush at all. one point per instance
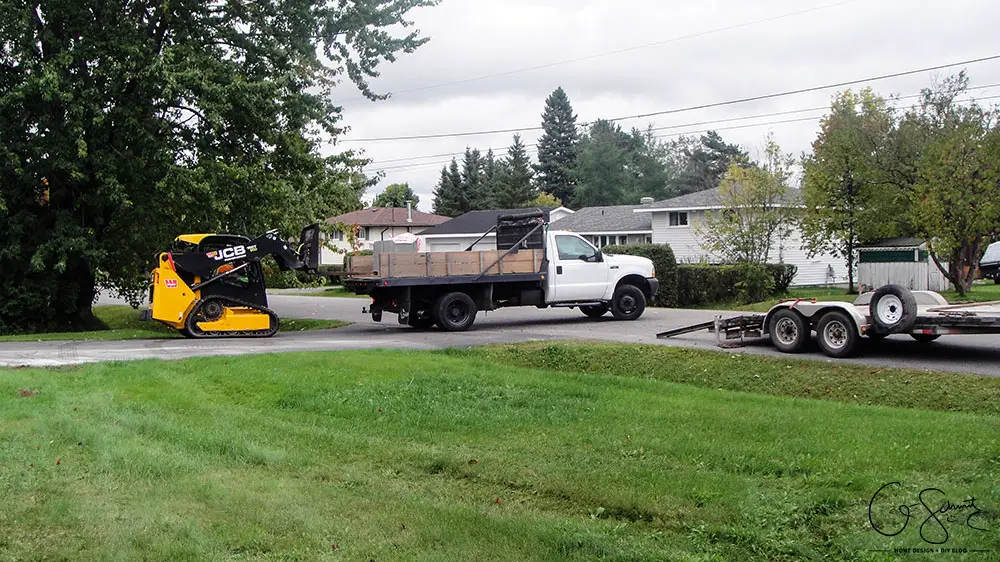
(385, 216)
(477, 222)
(711, 198)
(619, 218)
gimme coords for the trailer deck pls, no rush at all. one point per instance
(924, 315)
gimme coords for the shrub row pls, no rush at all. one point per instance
(702, 285)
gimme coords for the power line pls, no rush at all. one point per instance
(690, 108)
(669, 135)
(619, 51)
(499, 151)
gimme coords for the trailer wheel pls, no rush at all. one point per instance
(455, 312)
(893, 309)
(836, 334)
(925, 338)
(628, 302)
(594, 311)
(789, 331)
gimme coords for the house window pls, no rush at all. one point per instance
(649, 238)
(679, 218)
(622, 240)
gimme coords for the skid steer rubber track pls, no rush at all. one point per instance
(193, 331)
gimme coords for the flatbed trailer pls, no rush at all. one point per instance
(839, 326)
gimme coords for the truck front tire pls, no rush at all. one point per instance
(454, 312)
(628, 302)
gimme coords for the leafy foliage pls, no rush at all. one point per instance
(758, 210)
(618, 168)
(557, 147)
(704, 285)
(396, 195)
(450, 198)
(701, 164)
(848, 198)
(955, 200)
(125, 124)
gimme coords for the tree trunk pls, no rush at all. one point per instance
(851, 288)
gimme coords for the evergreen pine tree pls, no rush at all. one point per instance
(473, 183)
(449, 198)
(557, 148)
(515, 189)
(493, 175)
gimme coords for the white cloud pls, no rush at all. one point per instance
(474, 38)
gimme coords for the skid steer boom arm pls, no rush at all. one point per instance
(205, 264)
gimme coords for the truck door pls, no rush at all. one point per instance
(581, 274)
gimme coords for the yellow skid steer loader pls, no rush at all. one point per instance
(212, 285)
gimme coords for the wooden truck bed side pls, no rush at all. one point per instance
(443, 264)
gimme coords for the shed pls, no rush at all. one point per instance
(899, 261)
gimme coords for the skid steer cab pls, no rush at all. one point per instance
(212, 285)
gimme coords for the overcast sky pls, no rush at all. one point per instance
(470, 39)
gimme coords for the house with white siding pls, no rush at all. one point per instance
(610, 225)
(676, 222)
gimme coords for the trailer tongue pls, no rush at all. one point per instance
(839, 326)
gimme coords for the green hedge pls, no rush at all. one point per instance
(664, 264)
(704, 285)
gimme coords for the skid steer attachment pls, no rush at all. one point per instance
(212, 285)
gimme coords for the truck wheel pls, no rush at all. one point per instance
(925, 338)
(836, 334)
(628, 303)
(594, 311)
(789, 331)
(455, 312)
(893, 309)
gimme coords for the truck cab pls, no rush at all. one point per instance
(580, 272)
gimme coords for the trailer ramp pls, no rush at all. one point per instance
(726, 330)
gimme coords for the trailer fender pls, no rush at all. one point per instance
(812, 312)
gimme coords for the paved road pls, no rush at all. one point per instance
(968, 354)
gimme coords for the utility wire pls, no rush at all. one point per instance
(668, 135)
(619, 51)
(501, 151)
(690, 108)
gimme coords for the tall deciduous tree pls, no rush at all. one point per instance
(123, 124)
(848, 197)
(955, 200)
(557, 147)
(758, 209)
(515, 189)
(396, 195)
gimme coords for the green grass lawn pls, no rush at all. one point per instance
(979, 293)
(122, 323)
(468, 455)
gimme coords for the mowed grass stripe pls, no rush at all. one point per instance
(394, 455)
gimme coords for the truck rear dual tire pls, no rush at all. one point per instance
(454, 312)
